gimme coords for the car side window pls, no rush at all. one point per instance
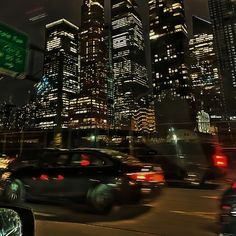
(55, 159)
(86, 159)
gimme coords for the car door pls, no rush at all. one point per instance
(49, 176)
(87, 168)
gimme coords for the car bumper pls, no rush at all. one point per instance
(135, 192)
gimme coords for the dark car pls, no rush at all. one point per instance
(98, 177)
(228, 211)
(192, 162)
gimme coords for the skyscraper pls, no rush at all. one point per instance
(169, 55)
(60, 73)
(109, 75)
(223, 18)
(169, 47)
(203, 69)
(129, 66)
(92, 100)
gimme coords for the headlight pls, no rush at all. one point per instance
(233, 211)
(5, 175)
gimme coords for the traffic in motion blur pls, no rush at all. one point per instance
(98, 177)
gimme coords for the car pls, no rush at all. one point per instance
(228, 211)
(98, 177)
(193, 163)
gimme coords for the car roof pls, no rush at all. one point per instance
(56, 149)
(76, 149)
(89, 149)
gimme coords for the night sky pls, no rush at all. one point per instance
(18, 12)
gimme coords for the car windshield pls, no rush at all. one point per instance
(125, 158)
(116, 154)
(118, 117)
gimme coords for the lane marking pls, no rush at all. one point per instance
(211, 197)
(205, 215)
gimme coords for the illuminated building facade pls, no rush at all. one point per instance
(144, 119)
(172, 87)
(110, 77)
(92, 101)
(223, 18)
(169, 47)
(129, 66)
(17, 118)
(204, 71)
(60, 73)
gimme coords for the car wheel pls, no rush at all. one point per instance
(100, 198)
(14, 191)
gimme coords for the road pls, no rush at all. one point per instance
(178, 211)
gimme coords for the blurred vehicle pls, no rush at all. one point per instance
(16, 221)
(27, 157)
(98, 177)
(231, 154)
(228, 211)
(5, 160)
(193, 163)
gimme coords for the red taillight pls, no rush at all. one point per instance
(60, 177)
(220, 161)
(226, 209)
(146, 176)
(139, 176)
(43, 177)
(84, 163)
(234, 185)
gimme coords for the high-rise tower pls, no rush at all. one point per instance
(60, 74)
(92, 101)
(169, 55)
(204, 72)
(169, 47)
(129, 65)
(223, 18)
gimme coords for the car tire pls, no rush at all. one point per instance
(14, 191)
(100, 198)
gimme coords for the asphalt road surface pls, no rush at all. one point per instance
(177, 212)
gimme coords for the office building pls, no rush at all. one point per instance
(170, 73)
(92, 100)
(110, 76)
(223, 18)
(144, 119)
(129, 66)
(60, 75)
(204, 72)
(169, 47)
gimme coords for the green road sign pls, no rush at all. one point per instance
(13, 51)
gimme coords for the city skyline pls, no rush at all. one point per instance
(10, 87)
(97, 74)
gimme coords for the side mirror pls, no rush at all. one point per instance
(16, 221)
